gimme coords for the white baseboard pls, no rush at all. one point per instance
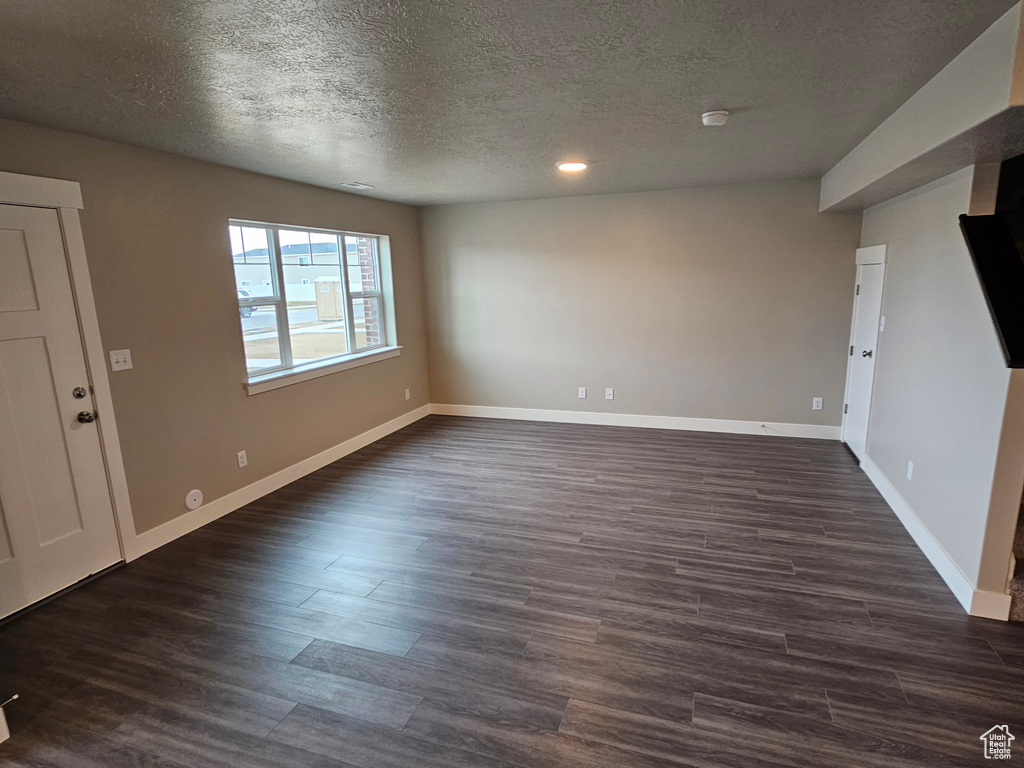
(190, 521)
(650, 422)
(990, 605)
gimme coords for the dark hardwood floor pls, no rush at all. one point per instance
(487, 593)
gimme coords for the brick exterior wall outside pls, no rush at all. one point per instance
(371, 307)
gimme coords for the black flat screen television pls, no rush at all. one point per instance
(996, 244)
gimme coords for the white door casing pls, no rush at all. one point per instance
(57, 521)
(863, 351)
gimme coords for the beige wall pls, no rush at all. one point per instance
(941, 382)
(155, 228)
(727, 302)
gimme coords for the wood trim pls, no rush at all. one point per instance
(20, 189)
(821, 432)
(989, 605)
(96, 364)
(190, 521)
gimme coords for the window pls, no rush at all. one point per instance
(308, 298)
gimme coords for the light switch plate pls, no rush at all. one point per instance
(609, 394)
(583, 393)
(910, 470)
(120, 359)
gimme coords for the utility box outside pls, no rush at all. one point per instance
(330, 303)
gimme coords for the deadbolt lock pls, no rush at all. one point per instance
(78, 393)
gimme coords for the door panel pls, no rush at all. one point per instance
(36, 442)
(56, 517)
(17, 289)
(866, 313)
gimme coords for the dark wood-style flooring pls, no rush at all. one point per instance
(486, 593)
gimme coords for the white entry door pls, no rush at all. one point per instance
(56, 517)
(860, 374)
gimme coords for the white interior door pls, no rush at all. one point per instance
(860, 375)
(56, 517)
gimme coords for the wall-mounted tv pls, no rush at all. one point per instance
(996, 244)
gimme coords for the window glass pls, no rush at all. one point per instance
(294, 246)
(361, 261)
(317, 328)
(366, 319)
(250, 251)
(324, 246)
(259, 332)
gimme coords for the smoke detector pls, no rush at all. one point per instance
(715, 118)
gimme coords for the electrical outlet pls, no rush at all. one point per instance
(407, 394)
(120, 359)
(910, 470)
(609, 394)
(881, 324)
(583, 393)
(816, 404)
(243, 460)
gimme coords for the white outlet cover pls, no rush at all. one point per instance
(407, 394)
(120, 359)
(609, 394)
(194, 499)
(583, 393)
(910, 470)
(881, 324)
(817, 404)
(243, 459)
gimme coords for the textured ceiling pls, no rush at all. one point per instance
(433, 101)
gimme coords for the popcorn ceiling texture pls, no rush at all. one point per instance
(436, 101)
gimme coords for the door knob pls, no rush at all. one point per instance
(86, 417)
(78, 393)
(867, 353)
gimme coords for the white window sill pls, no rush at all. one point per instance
(279, 379)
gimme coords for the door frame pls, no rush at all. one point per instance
(872, 254)
(65, 197)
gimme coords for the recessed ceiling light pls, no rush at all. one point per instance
(572, 166)
(356, 185)
(715, 118)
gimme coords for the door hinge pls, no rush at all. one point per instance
(858, 291)
(851, 351)
(846, 407)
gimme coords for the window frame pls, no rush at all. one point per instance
(261, 379)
